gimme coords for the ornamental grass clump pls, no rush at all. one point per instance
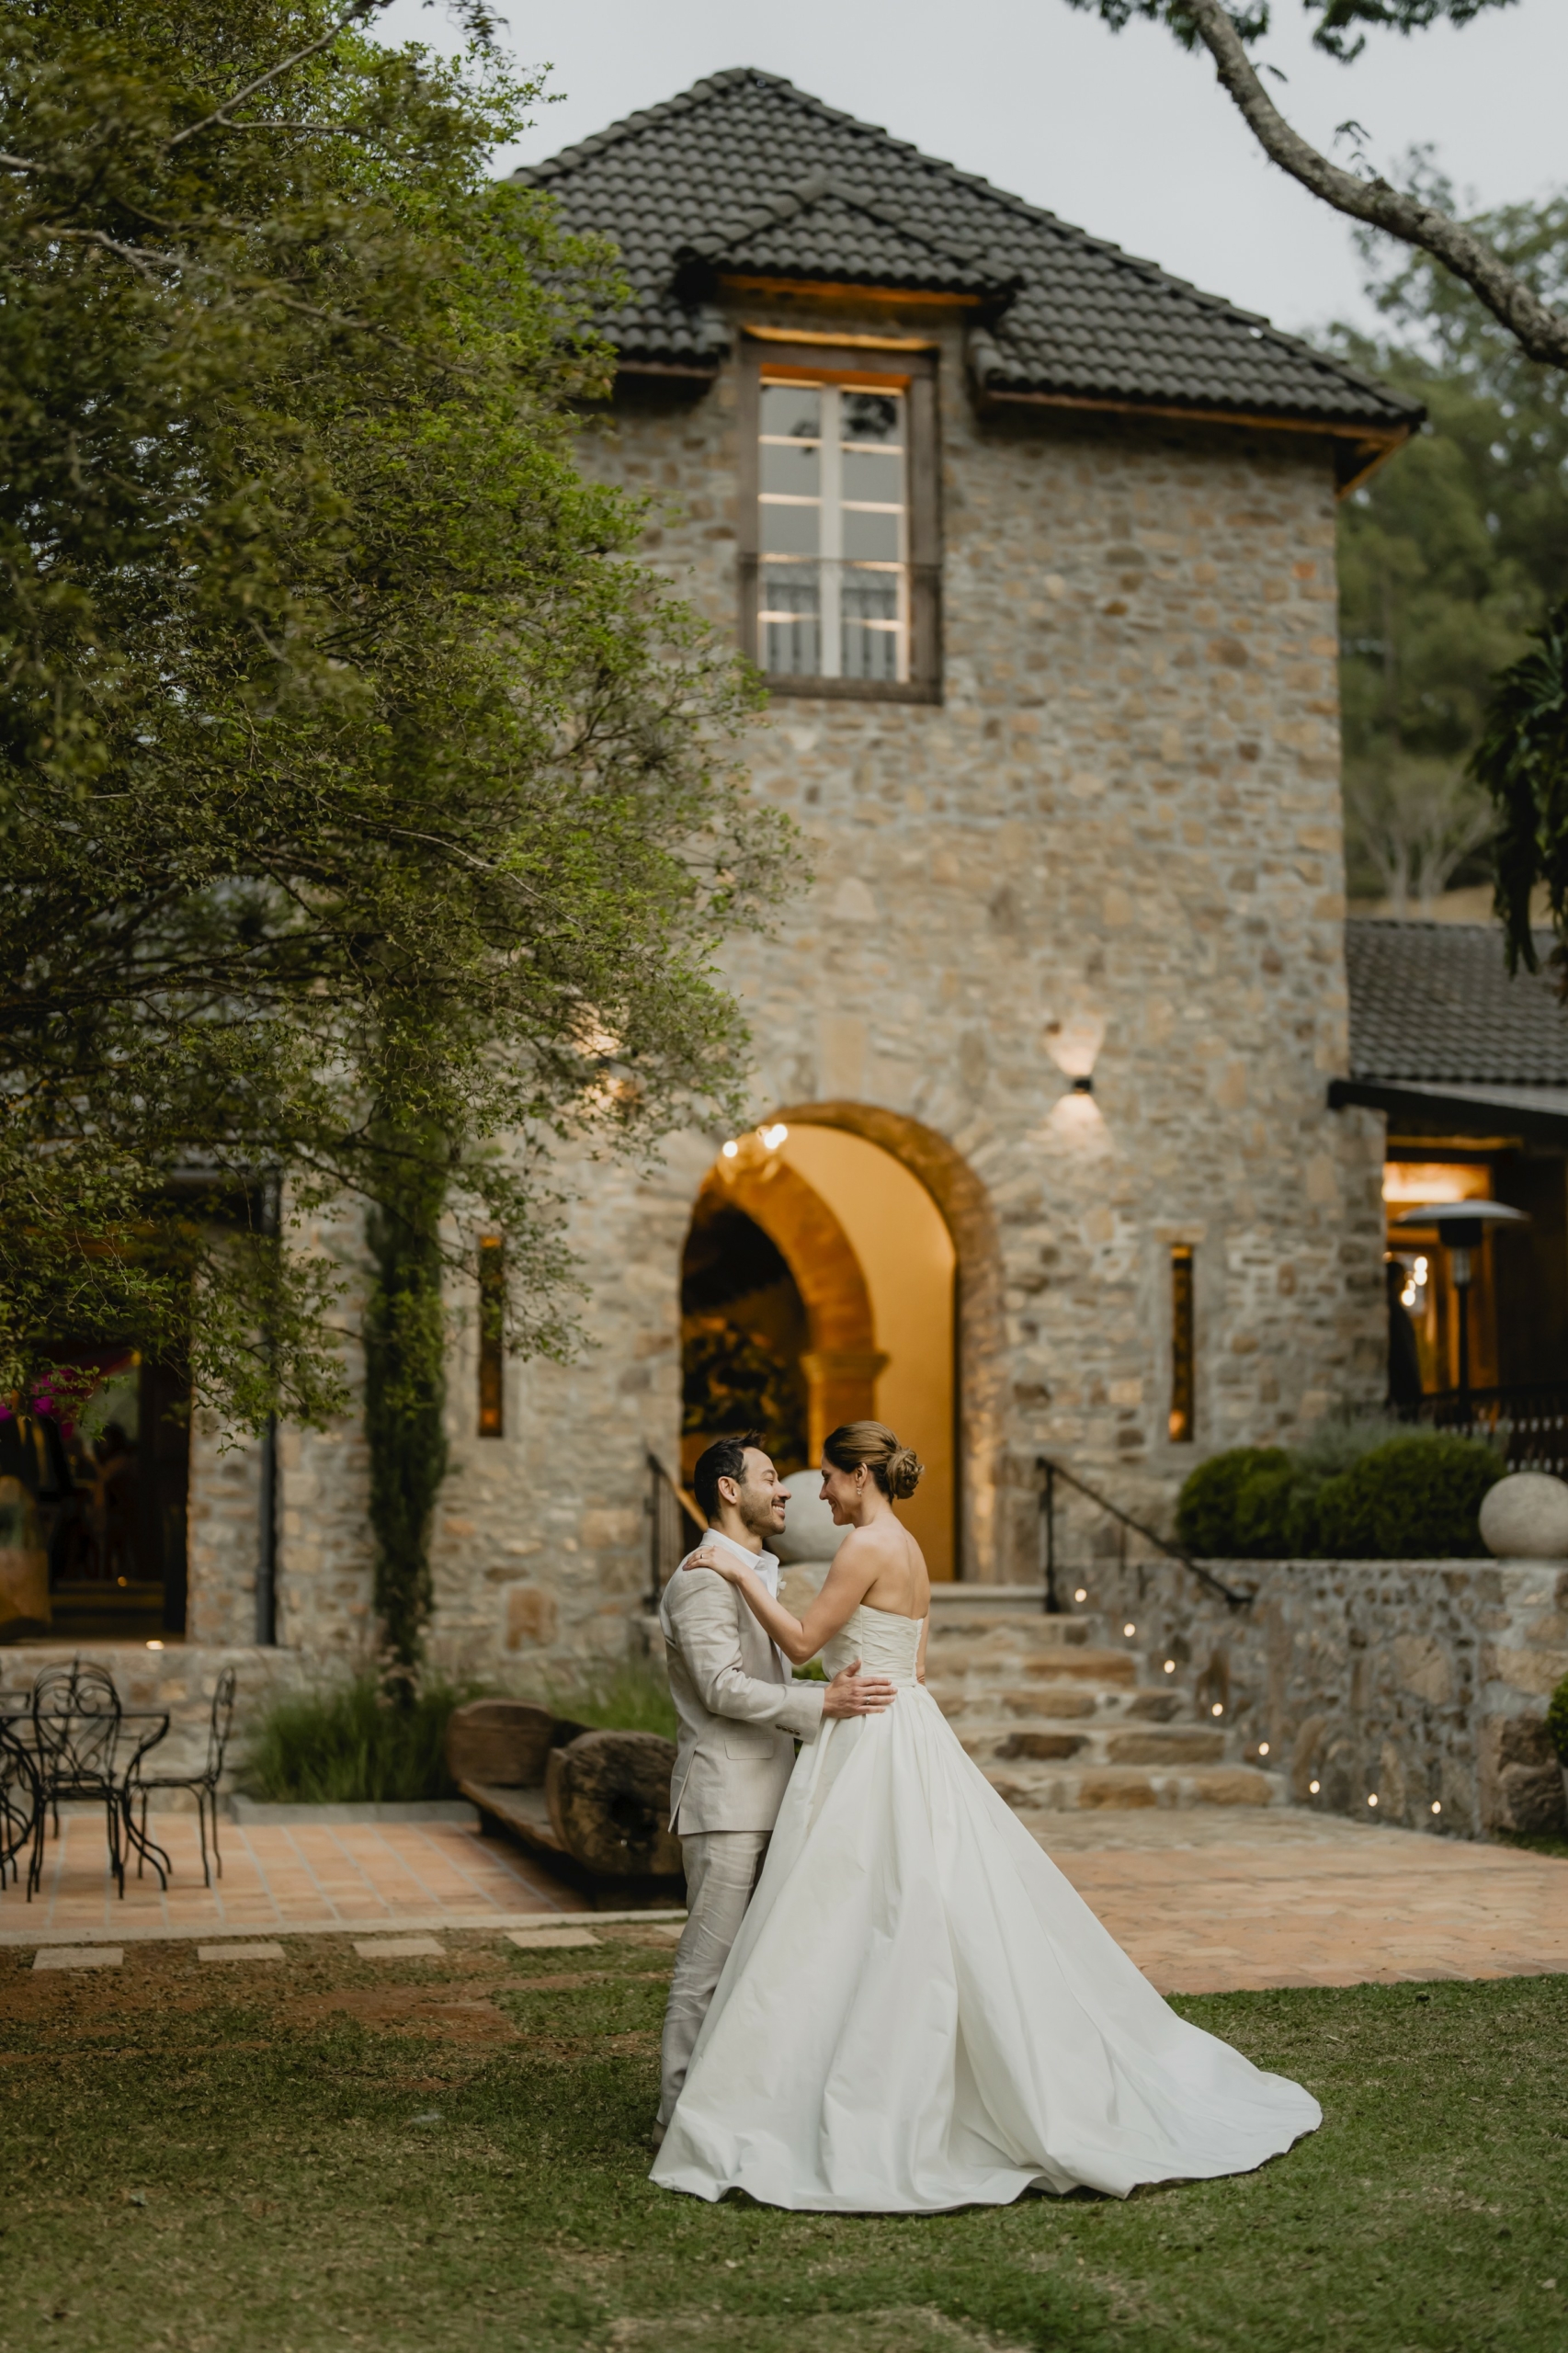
(1354, 1490)
(357, 1744)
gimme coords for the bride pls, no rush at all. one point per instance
(919, 2011)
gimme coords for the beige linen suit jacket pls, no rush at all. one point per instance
(738, 1706)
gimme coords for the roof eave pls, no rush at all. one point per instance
(1361, 446)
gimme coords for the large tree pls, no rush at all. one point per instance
(1412, 214)
(1522, 759)
(1449, 558)
(367, 821)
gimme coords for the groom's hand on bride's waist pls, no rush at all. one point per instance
(853, 1694)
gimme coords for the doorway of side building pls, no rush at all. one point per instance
(818, 1287)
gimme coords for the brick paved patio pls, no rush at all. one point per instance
(1204, 1902)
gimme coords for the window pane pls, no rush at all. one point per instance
(877, 474)
(793, 410)
(874, 538)
(871, 630)
(871, 416)
(789, 530)
(794, 468)
(788, 619)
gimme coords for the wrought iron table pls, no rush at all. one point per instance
(76, 1751)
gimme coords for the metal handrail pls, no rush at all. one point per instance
(1054, 1471)
(672, 1519)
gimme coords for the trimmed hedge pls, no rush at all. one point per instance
(1349, 1497)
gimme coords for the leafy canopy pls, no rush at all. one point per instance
(365, 812)
(1338, 29)
(1450, 556)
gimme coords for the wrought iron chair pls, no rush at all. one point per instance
(77, 1723)
(21, 1808)
(203, 1785)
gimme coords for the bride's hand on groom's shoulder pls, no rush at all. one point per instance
(702, 1560)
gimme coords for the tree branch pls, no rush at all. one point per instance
(350, 17)
(1541, 333)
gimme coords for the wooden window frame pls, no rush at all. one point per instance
(914, 373)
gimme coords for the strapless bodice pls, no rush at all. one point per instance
(883, 1644)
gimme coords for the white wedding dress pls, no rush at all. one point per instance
(920, 2012)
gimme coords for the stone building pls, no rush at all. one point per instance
(1035, 545)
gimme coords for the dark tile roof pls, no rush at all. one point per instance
(744, 173)
(1433, 1001)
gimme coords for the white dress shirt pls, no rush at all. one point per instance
(761, 1564)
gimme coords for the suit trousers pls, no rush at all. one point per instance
(722, 1868)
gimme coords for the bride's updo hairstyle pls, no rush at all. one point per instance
(871, 1446)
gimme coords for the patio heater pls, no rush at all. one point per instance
(1461, 1229)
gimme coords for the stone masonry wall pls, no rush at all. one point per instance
(1121, 826)
(1417, 1682)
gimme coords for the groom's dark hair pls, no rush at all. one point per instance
(725, 1458)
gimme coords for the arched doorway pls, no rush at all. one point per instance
(871, 1258)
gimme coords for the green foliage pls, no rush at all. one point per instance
(1352, 1493)
(1522, 760)
(633, 1697)
(1339, 29)
(1557, 1720)
(1451, 555)
(356, 1744)
(1416, 1498)
(1205, 1508)
(347, 764)
(732, 1381)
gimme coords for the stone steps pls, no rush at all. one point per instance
(1058, 1722)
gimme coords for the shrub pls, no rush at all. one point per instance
(1557, 1720)
(1414, 1498)
(353, 1746)
(1351, 1492)
(1206, 1510)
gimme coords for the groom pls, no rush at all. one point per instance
(740, 1714)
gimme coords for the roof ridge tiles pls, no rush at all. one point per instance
(1086, 319)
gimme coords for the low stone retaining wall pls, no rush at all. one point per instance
(181, 1678)
(1420, 1684)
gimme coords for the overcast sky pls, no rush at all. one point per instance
(1123, 133)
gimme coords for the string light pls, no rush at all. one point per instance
(1436, 1807)
(774, 1136)
(1263, 1749)
(1373, 1799)
(731, 1149)
(1129, 1628)
(1218, 1709)
(1082, 1593)
(1170, 1666)
(154, 1646)
(1314, 1787)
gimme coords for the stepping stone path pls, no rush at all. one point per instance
(1057, 1723)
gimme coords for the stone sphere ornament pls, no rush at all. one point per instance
(809, 1532)
(1524, 1518)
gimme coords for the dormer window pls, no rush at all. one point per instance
(839, 583)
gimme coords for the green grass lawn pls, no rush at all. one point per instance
(418, 2155)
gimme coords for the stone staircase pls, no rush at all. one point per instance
(1057, 1722)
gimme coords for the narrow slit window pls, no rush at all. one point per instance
(492, 1338)
(1184, 1348)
